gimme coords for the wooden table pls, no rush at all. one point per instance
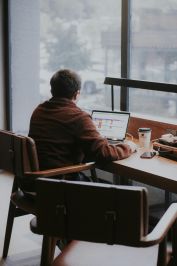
(158, 171)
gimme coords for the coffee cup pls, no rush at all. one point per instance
(144, 135)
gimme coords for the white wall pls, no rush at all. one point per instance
(24, 41)
(2, 102)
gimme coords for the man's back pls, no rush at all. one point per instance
(55, 127)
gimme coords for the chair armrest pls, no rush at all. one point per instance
(163, 226)
(61, 170)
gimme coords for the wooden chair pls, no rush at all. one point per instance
(107, 224)
(18, 156)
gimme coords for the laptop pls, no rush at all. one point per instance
(111, 125)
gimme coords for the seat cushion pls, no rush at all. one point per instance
(80, 253)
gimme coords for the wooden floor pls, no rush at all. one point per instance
(25, 247)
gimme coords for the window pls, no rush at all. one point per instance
(85, 36)
(154, 55)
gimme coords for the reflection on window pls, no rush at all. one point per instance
(85, 36)
(154, 55)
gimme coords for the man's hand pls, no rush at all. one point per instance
(132, 145)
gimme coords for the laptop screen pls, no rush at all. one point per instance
(111, 125)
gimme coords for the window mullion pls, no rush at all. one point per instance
(125, 53)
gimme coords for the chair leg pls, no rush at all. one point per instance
(94, 175)
(174, 243)
(9, 225)
(48, 249)
(162, 254)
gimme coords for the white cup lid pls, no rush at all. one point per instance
(144, 129)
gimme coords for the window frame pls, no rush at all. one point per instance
(125, 53)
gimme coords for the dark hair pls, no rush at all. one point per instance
(65, 83)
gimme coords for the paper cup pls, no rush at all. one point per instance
(144, 135)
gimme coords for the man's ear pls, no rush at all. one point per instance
(76, 95)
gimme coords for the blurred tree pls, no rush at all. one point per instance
(62, 30)
(66, 50)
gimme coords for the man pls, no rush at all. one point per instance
(64, 134)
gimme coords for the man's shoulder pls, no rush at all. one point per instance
(79, 118)
(82, 113)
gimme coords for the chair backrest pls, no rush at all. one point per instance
(17, 153)
(91, 212)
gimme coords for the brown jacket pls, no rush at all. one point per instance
(65, 135)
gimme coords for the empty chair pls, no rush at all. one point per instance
(106, 225)
(18, 156)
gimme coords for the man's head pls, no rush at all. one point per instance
(65, 84)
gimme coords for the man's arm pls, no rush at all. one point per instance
(96, 147)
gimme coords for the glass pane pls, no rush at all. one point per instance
(85, 36)
(154, 55)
